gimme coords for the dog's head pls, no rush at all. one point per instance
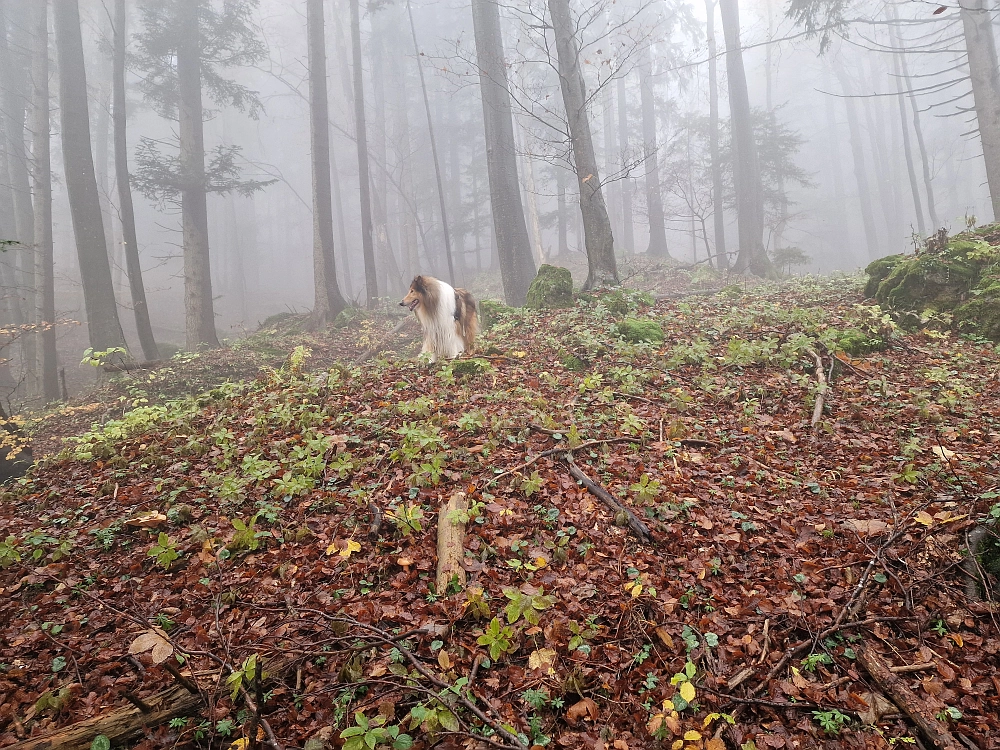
(417, 293)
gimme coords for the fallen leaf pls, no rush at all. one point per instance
(924, 517)
(582, 710)
(543, 658)
(943, 453)
(156, 642)
(664, 636)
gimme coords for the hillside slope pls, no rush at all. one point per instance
(291, 521)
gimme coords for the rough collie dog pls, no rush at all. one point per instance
(447, 315)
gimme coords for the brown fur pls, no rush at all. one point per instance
(423, 298)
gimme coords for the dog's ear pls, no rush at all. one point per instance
(419, 285)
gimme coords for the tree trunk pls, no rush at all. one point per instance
(445, 231)
(125, 208)
(911, 172)
(328, 301)
(42, 174)
(602, 266)
(517, 267)
(199, 309)
(718, 214)
(530, 194)
(103, 325)
(883, 170)
(746, 165)
(13, 69)
(401, 137)
(860, 168)
(625, 183)
(610, 153)
(982, 55)
(561, 217)
(364, 177)
(841, 231)
(654, 199)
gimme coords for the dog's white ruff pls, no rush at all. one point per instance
(441, 337)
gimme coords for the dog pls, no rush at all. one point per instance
(447, 316)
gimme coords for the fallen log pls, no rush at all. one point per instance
(120, 725)
(638, 527)
(451, 541)
(934, 731)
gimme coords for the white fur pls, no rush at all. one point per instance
(441, 337)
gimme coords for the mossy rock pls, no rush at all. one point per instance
(467, 368)
(489, 312)
(551, 289)
(640, 331)
(981, 313)
(878, 270)
(572, 363)
(622, 302)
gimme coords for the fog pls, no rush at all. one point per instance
(856, 136)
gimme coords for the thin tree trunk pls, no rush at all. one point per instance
(911, 172)
(328, 301)
(455, 193)
(860, 168)
(102, 132)
(42, 173)
(126, 211)
(982, 56)
(657, 247)
(779, 229)
(445, 231)
(13, 69)
(842, 228)
(746, 165)
(530, 196)
(517, 267)
(718, 213)
(104, 327)
(918, 131)
(361, 133)
(628, 225)
(401, 137)
(199, 309)
(561, 217)
(601, 263)
(883, 169)
(610, 153)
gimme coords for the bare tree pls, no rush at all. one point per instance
(746, 167)
(625, 184)
(517, 267)
(328, 300)
(718, 215)
(103, 323)
(42, 186)
(125, 208)
(860, 167)
(654, 199)
(602, 266)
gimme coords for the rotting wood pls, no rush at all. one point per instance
(910, 703)
(821, 391)
(120, 725)
(451, 541)
(638, 527)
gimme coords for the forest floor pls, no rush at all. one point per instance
(288, 519)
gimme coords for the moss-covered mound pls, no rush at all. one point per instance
(552, 289)
(641, 331)
(489, 312)
(960, 277)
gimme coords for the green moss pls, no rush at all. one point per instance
(466, 368)
(878, 270)
(551, 289)
(640, 331)
(856, 342)
(572, 363)
(347, 316)
(622, 302)
(489, 312)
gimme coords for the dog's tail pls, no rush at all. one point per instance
(466, 317)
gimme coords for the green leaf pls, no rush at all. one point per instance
(403, 742)
(101, 742)
(448, 720)
(59, 664)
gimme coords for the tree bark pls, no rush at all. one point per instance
(610, 152)
(328, 300)
(718, 213)
(746, 165)
(364, 176)
(841, 231)
(625, 183)
(517, 267)
(561, 218)
(42, 179)
(104, 326)
(985, 74)
(451, 542)
(657, 247)
(126, 210)
(601, 263)
(199, 309)
(860, 168)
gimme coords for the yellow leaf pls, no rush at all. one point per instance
(665, 637)
(541, 562)
(444, 661)
(240, 744)
(351, 547)
(692, 736)
(956, 638)
(543, 658)
(925, 518)
(678, 745)
(687, 691)
(332, 548)
(519, 354)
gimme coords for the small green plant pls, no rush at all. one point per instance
(526, 605)
(9, 554)
(406, 518)
(471, 421)
(949, 713)
(101, 358)
(532, 484)
(832, 721)
(498, 638)
(164, 551)
(646, 489)
(252, 669)
(811, 662)
(247, 537)
(686, 692)
(580, 634)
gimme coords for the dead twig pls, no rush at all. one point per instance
(821, 390)
(638, 527)
(553, 451)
